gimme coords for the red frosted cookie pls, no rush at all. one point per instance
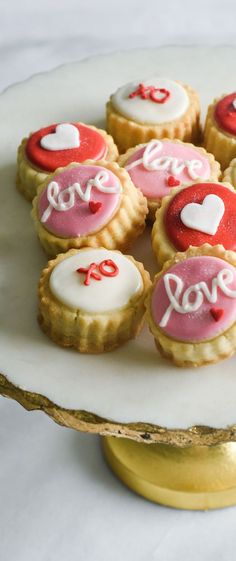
(220, 129)
(59, 145)
(201, 213)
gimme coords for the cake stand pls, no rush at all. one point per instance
(176, 427)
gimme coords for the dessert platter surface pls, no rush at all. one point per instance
(131, 391)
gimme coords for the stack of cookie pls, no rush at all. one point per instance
(90, 204)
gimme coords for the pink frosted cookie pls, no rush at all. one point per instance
(191, 308)
(158, 166)
(92, 204)
(59, 145)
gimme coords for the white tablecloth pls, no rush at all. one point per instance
(58, 499)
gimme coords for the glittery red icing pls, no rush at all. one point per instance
(172, 181)
(150, 91)
(92, 146)
(94, 206)
(89, 272)
(216, 313)
(225, 113)
(108, 263)
(182, 237)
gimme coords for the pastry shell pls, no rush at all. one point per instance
(197, 353)
(29, 177)
(128, 133)
(87, 332)
(154, 204)
(161, 244)
(124, 226)
(229, 174)
(217, 141)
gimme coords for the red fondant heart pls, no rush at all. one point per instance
(172, 181)
(94, 207)
(216, 313)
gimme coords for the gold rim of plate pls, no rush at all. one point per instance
(140, 432)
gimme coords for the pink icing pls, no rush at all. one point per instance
(198, 325)
(154, 184)
(80, 220)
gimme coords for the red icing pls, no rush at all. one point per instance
(101, 268)
(164, 95)
(141, 90)
(182, 237)
(92, 146)
(89, 273)
(172, 181)
(153, 93)
(225, 113)
(108, 263)
(216, 313)
(94, 206)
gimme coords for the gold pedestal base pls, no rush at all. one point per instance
(196, 478)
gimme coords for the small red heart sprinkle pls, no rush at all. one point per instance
(94, 207)
(216, 313)
(172, 181)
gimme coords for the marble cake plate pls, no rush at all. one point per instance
(132, 391)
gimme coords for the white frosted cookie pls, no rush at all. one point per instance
(92, 299)
(153, 108)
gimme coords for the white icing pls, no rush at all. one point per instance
(146, 111)
(65, 199)
(65, 136)
(234, 103)
(204, 217)
(99, 296)
(171, 164)
(223, 278)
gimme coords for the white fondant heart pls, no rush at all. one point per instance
(204, 217)
(66, 136)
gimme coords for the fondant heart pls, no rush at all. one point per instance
(204, 217)
(172, 181)
(66, 136)
(94, 206)
(216, 313)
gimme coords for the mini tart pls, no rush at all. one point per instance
(156, 108)
(230, 173)
(56, 146)
(97, 316)
(91, 204)
(201, 213)
(191, 307)
(159, 165)
(220, 129)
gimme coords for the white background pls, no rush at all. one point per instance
(58, 500)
